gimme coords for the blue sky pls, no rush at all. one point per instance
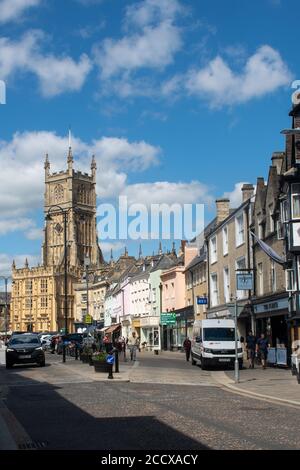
(180, 101)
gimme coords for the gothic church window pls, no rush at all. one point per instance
(58, 193)
(83, 195)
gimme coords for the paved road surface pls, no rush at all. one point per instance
(64, 410)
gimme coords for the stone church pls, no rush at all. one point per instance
(37, 302)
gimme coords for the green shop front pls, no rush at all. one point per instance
(176, 326)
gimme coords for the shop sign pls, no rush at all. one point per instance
(168, 318)
(136, 323)
(149, 321)
(244, 281)
(88, 320)
(281, 356)
(280, 304)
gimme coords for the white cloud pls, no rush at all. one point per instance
(13, 9)
(152, 11)
(55, 74)
(152, 43)
(7, 259)
(16, 224)
(165, 192)
(264, 72)
(22, 173)
(235, 196)
(106, 247)
(34, 233)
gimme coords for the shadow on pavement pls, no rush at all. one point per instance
(58, 423)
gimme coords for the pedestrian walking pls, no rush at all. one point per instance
(107, 344)
(187, 347)
(262, 349)
(251, 347)
(133, 345)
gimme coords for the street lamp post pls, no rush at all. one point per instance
(5, 279)
(64, 213)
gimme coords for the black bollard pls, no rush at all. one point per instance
(110, 375)
(116, 360)
(76, 352)
(64, 353)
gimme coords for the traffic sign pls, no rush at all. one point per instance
(88, 319)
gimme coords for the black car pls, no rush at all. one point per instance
(24, 349)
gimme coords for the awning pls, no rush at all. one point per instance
(113, 328)
(103, 329)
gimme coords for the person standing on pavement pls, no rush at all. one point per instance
(262, 349)
(133, 344)
(251, 347)
(187, 347)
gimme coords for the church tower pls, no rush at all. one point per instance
(73, 192)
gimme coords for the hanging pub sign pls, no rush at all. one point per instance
(244, 281)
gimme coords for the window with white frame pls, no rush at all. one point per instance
(261, 231)
(271, 219)
(284, 213)
(226, 285)
(240, 266)
(296, 201)
(213, 250)
(214, 289)
(225, 240)
(239, 230)
(280, 230)
(290, 280)
(260, 275)
(273, 277)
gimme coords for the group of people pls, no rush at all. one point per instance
(257, 347)
(132, 343)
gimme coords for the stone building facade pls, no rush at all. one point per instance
(228, 251)
(270, 299)
(38, 296)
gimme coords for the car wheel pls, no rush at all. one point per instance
(203, 365)
(42, 364)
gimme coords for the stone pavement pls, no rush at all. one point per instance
(274, 384)
(168, 368)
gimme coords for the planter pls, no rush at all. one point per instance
(90, 361)
(85, 359)
(101, 366)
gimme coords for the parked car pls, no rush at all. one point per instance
(213, 343)
(24, 349)
(75, 338)
(46, 341)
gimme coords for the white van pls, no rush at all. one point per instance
(213, 343)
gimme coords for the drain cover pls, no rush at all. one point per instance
(33, 445)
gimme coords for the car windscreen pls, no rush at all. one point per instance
(25, 340)
(219, 334)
